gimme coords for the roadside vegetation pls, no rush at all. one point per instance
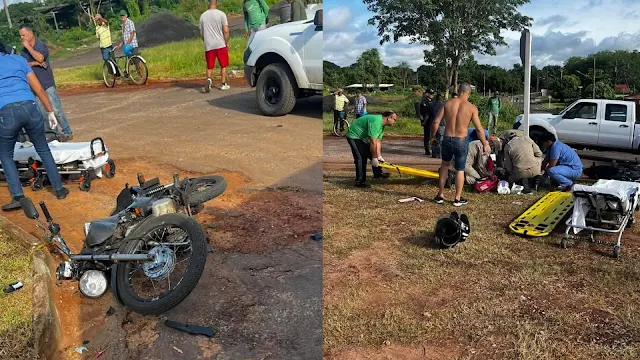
(177, 60)
(16, 341)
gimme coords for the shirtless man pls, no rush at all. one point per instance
(458, 113)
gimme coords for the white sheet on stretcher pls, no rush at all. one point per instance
(627, 191)
(65, 153)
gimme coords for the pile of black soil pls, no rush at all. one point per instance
(164, 28)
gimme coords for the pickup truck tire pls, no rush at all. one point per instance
(276, 90)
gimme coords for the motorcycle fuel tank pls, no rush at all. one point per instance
(163, 206)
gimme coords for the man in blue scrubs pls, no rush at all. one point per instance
(18, 110)
(562, 164)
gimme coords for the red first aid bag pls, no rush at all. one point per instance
(487, 185)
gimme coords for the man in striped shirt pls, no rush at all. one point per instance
(338, 111)
(361, 105)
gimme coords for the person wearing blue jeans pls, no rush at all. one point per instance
(37, 55)
(18, 110)
(562, 164)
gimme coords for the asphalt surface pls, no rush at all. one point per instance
(410, 152)
(180, 125)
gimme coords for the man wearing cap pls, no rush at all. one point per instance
(103, 33)
(129, 36)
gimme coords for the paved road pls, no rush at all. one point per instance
(180, 125)
(409, 151)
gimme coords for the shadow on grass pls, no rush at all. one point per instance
(424, 239)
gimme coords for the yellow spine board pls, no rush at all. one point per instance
(405, 170)
(543, 216)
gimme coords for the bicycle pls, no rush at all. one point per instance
(135, 69)
(341, 127)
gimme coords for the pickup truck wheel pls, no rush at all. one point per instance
(276, 90)
(535, 134)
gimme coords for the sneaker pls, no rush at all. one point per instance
(363, 185)
(438, 199)
(382, 176)
(207, 86)
(460, 202)
(13, 205)
(62, 193)
(225, 86)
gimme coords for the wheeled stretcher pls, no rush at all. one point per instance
(76, 161)
(608, 206)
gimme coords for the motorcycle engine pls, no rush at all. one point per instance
(163, 206)
(65, 271)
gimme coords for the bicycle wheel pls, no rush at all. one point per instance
(109, 73)
(137, 70)
(341, 128)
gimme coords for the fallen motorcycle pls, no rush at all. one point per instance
(151, 255)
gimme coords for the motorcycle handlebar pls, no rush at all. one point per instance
(45, 211)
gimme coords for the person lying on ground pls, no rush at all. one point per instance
(476, 167)
(18, 110)
(37, 55)
(364, 138)
(458, 113)
(522, 161)
(561, 163)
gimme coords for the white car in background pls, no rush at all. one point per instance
(284, 63)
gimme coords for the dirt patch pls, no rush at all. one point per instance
(164, 28)
(98, 87)
(394, 352)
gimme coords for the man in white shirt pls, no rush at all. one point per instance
(214, 30)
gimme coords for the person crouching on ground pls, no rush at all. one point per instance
(458, 113)
(364, 138)
(562, 164)
(523, 161)
(476, 167)
(18, 110)
(214, 30)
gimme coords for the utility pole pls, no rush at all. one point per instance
(6, 9)
(594, 76)
(538, 82)
(484, 86)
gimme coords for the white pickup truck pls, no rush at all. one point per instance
(598, 123)
(284, 63)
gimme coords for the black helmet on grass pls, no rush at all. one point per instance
(452, 229)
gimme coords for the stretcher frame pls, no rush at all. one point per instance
(405, 170)
(32, 172)
(622, 219)
(544, 215)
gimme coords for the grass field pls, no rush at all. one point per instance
(15, 314)
(178, 60)
(390, 294)
(408, 123)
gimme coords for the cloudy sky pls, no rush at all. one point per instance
(561, 29)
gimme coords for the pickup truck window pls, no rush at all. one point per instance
(615, 112)
(583, 110)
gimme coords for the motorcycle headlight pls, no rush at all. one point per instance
(93, 283)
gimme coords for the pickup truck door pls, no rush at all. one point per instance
(580, 124)
(313, 51)
(616, 127)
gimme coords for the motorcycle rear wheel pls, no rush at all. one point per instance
(195, 266)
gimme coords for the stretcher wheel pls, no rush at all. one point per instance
(563, 243)
(109, 169)
(616, 251)
(85, 184)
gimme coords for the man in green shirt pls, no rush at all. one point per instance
(298, 10)
(364, 138)
(256, 13)
(494, 110)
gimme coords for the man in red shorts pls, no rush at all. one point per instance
(214, 30)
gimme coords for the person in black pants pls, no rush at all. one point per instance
(426, 120)
(364, 138)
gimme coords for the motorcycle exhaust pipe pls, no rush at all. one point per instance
(114, 257)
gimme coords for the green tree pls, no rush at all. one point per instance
(567, 88)
(402, 73)
(604, 90)
(454, 28)
(369, 65)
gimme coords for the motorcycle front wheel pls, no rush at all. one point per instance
(180, 248)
